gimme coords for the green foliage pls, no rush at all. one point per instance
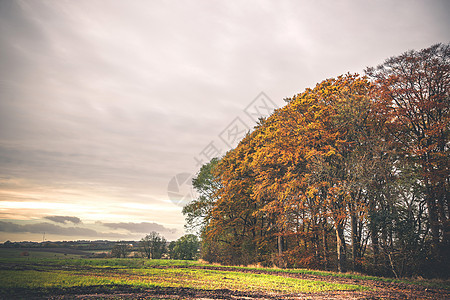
(185, 248)
(198, 211)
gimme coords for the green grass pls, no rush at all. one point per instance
(190, 278)
(213, 279)
(444, 284)
(49, 260)
(46, 279)
(312, 272)
(63, 273)
(131, 263)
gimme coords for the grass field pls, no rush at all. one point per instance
(43, 275)
(35, 273)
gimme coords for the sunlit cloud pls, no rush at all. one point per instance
(143, 227)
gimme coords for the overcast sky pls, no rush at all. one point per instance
(104, 103)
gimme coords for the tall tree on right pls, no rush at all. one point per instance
(414, 98)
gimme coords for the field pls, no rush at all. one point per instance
(57, 275)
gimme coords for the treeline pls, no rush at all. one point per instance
(155, 246)
(350, 175)
(77, 245)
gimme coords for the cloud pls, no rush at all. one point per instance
(47, 228)
(63, 219)
(143, 227)
(56, 230)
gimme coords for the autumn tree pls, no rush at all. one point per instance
(338, 145)
(299, 168)
(414, 97)
(352, 165)
(233, 226)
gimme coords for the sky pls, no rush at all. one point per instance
(108, 108)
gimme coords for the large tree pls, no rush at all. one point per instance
(336, 135)
(351, 165)
(414, 97)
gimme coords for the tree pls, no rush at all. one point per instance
(236, 229)
(153, 245)
(120, 250)
(338, 149)
(198, 211)
(186, 247)
(414, 98)
(351, 164)
(171, 248)
(294, 172)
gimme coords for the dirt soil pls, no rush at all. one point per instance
(128, 292)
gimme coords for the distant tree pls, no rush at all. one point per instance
(186, 247)
(153, 245)
(120, 250)
(171, 249)
(8, 244)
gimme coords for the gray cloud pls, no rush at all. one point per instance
(56, 230)
(114, 98)
(143, 227)
(48, 228)
(64, 219)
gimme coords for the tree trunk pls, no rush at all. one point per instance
(373, 231)
(433, 218)
(280, 245)
(442, 201)
(325, 246)
(355, 242)
(340, 248)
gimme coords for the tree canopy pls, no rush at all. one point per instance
(153, 245)
(352, 174)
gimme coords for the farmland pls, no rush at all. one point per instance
(56, 276)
